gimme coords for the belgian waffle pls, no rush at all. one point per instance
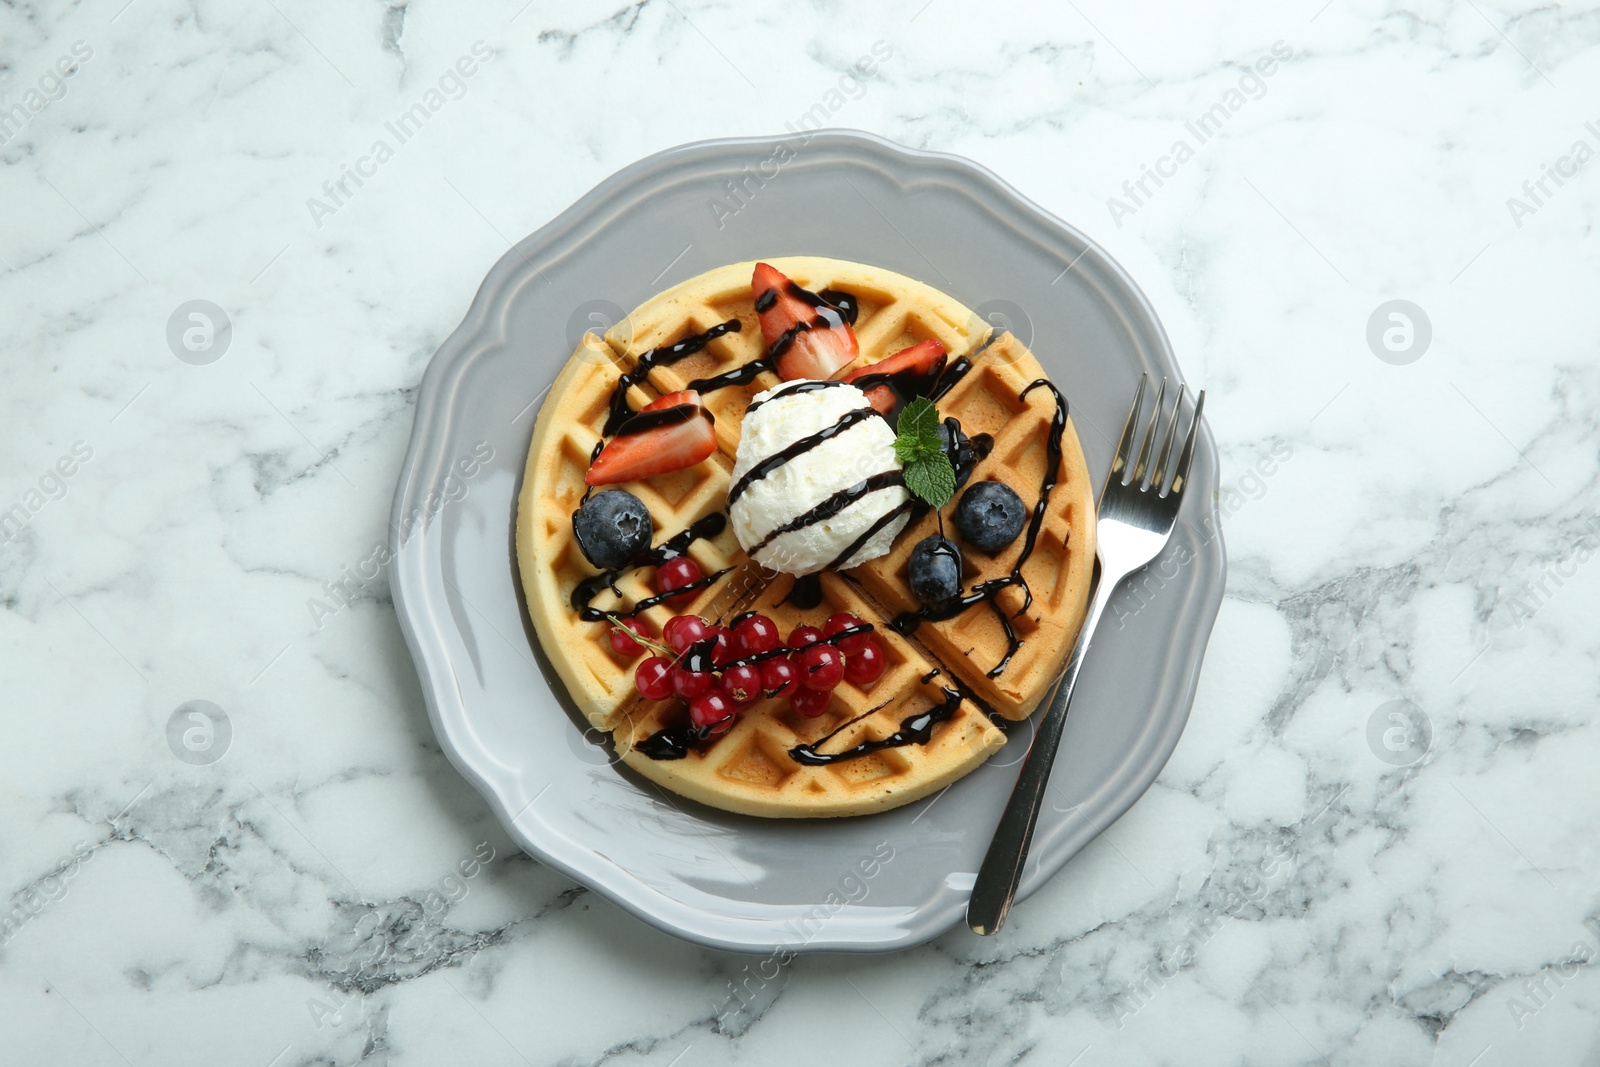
(941, 697)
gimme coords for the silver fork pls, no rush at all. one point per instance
(1136, 516)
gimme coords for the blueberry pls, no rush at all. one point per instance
(935, 571)
(990, 516)
(613, 528)
(960, 450)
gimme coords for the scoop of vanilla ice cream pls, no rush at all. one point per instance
(801, 511)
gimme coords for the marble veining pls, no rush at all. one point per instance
(1374, 845)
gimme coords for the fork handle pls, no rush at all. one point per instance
(1001, 871)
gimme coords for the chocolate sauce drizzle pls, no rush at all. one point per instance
(985, 592)
(796, 449)
(594, 454)
(673, 742)
(965, 458)
(952, 374)
(645, 421)
(806, 593)
(846, 303)
(665, 356)
(912, 504)
(740, 375)
(833, 505)
(583, 596)
(914, 730)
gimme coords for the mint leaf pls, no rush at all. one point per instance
(920, 422)
(932, 478)
(928, 471)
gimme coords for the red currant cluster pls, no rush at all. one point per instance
(719, 671)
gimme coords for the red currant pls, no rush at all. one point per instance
(712, 709)
(690, 684)
(742, 684)
(622, 642)
(653, 678)
(779, 676)
(822, 667)
(801, 636)
(675, 574)
(756, 635)
(682, 631)
(722, 652)
(811, 702)
(841, 622)
(866, 664)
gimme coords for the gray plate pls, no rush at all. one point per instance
(874, 883)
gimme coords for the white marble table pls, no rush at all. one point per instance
(1319, 876)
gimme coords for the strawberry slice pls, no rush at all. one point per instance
(894, 380)
(820, 342)
(671, 400)
(670, 434)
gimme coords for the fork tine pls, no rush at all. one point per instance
(1119, 462)
(1137, 481)
(1186, 457)
(1159, 478)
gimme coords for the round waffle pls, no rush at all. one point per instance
(940, 700)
